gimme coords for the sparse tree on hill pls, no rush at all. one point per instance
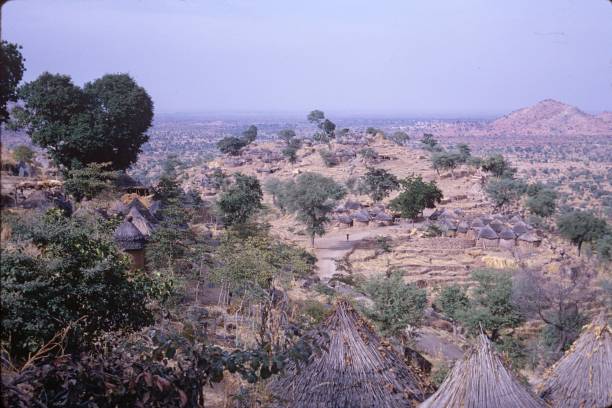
(430, 143)
(292, 143)
(241, 200)
(464, 151)
(445, 161)
(399, 137)
(231, 145)
(105, 121)
(542, 203)
(11, 73)
(379, 183)
(287, 135)
(505, 192)
(312, 197)
(416, 196)
(326, 126)
(250, 134)
(581, 226)
(498, 166)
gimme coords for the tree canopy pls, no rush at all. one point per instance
(241, 200)
(378, 183)
(89, 181)
(582, 226)
(498, 166)
(312, 197)
(504, 192)
(233, 145)
(105, 121)
(11, 73)
(325, 125)
(416, 196)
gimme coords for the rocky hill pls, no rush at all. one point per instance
(550, 117)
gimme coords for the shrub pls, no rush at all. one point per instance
(329, 158)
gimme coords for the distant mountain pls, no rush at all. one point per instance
(550, 117)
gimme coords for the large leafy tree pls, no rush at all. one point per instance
(241, 200)
(233, 145)
(416, 196)
(326, 126)
(542, 202)
(498, 166)
(79, 278)
(105, 121)
(504, 192)
(11, 73)
(581, 226)
(378, 183)
(89, 181)
(312, 197)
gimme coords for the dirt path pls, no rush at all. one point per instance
(334, 246)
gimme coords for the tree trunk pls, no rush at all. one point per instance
(312, 237)
(579, 247)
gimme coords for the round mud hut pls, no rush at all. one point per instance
(529, 240)
(481, 380)
(507, 239)
(521, 228)
(344, 221)
(462, 229)
(131, 241)
(583, 376)
(140, 222)
(361, 218)
(355, 368)
(383, 219)
(487, 237)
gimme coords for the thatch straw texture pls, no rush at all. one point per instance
(355, 368)
(481, 380)
(583, 377)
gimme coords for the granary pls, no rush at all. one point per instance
(482, 380)
(144, 226)
(383, 218)
(354, 368)
(136, 203)
(507, 239)
(521, 228)
(131, 241)
(497, 225)
(448, 226)
(340, 209)
(361, 218)
(462, 229)
(515, 219)
(436, 214)
(118, 208)
(581, 378)
(352, 205)
(477, 223)
(487, 237)
(529, 240)
(130, 186)
(344, 221)
(475, 226)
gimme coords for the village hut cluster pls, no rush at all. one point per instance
(354, 367)
(352, 213)
(488, 231)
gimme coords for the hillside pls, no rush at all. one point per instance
(550, 117)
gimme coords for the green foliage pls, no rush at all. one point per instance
(316, 116)
(105, 121)
(491, 308)
(498, 166)
(430, 143)
(287, 135)
(79, 276)
(581, 226)
(11, 73)
(312, 197)
(329, 158)
(372, 130)
(384, 243)
(399, 138)
(378, 183)
(464, 151)
(432, 231)
(416, 196)
(445, 160)
(396, 304)
(250, 265)
(604, 248)
(23, 153)
(326, 126)
(231, 145)
(439, 373)
(241, 200)
(250, 134)
(542, 203)
(89, 181)
(453, 301)
(368, 153)
(277, 189)
(161, 370)
(505, 192)
(316, 311)
(290, 153)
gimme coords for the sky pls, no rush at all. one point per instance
(444, 58)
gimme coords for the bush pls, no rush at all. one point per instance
(452, 301)
(396, 304)
(439, 373)
(329, 158)
(79, 276)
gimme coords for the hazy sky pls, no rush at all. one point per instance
(432, 58)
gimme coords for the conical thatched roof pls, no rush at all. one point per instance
(361, 216)
(354, 368)
(344, 219)
(477, 223)
(521, 228)
(487, 233)
(352, 205)
(507, 234)
(481, 380)
(497, 225)
(463, 227)
(128, 237)
(583, 377)
(529, 237)
(140, 222)
(144, 211)
(383, 216)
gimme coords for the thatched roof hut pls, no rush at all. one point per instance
(140, 222)
(361, 217)
(582, 377)
(355, 368)
(521, 228)
(463, 227)
(497, 225)
(507, 238)
(481, 380)
(529, 240)
(477, 223)
(383, 218)
(136, 203)
(352, 205)
(344, 221)
(487, 237)
(128, 237)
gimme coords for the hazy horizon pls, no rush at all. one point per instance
(450, 59)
